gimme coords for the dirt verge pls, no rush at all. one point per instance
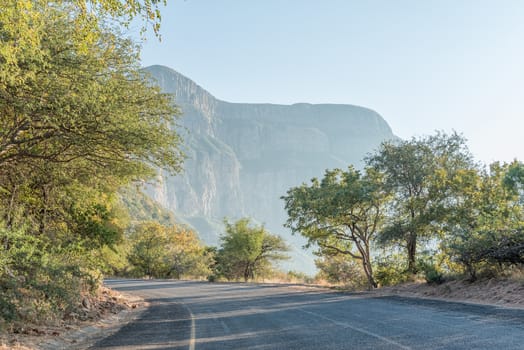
(498, 292)
(99, 317)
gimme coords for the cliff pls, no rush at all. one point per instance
(243, 157)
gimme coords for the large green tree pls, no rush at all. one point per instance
(95, 105)
(248, 251)
(85, 118)
(78, 119)
(420, 175)
(341, 214)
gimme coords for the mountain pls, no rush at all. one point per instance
(243, 157)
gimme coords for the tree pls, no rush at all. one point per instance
(485, 229)
(149, 250)
(22, 27)
(78, 120)
(160, 251)
(420, 176)
(87, 119)
(96, 106)
(514, 179)
(341, 214)
(189, 258)
(246, 251)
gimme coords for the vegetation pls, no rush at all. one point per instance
(79, 120)
(167, 252)
(342, 269)
(486, 231)
(248, 251)
(80, 124)
(421, 206)
(341, 214)
(24, 23)
(420, 176)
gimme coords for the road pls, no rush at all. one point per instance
(199, 315)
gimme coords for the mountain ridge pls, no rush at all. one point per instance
(243, 157)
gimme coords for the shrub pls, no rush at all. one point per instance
(39, 281)
(391, 270)
(342, 269)
(433, 275)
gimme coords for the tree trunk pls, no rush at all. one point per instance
(412, 252)
(43, 211)
(11, 208)
(246, 272)
(366, 263)
(368, 269)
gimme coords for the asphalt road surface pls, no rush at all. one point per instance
(199, 315)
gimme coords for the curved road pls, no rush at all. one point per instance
(199, 315)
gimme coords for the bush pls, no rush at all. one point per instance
(391, 270)
(212, 278)
(342, 269)
(485, 252)
(39, 281)
(433, 276)
(430, 270)
(299, 277)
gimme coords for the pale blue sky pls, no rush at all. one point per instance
(423, 65)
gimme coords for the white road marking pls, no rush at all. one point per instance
(193, 328)
(346, 325)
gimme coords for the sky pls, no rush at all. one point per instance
(423, 65)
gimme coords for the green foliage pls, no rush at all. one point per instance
(91, 110)
(514, 178)
(391, 269)
(421, 175)
(248, 252)
(340, 214)
(22, 28)
(161, 252)
(141, 207)
(298, 277)
(342, 269)
(420, 193)
(485, 250)
(40, 281)
(487, 228)
(85, 123)
(432, 271)
(78, 120)
(433, 276)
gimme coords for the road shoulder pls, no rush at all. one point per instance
(122, 310)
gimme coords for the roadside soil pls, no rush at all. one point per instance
(493, 291)
(98, 317)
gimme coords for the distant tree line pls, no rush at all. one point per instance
(246, 252)
(424, 200)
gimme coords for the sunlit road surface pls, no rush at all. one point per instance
(199, 315)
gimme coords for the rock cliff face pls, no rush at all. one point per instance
(243, 157)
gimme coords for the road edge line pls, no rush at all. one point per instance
(193, 328)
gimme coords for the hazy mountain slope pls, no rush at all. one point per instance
(243, 157)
